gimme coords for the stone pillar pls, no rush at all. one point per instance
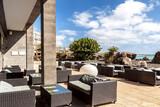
(49, 75)
(29, 49)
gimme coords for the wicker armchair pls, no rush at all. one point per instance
(107, 71)
(149, 77)
(99, 93)
(28, 72)
(25, 98)
(62, 75)
(132, 75)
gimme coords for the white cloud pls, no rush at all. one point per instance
(128, 23)
(67, 32)
(84, 19)
(60, 40)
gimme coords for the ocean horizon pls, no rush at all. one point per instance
(141, 56)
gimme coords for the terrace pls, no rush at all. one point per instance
(22, 86)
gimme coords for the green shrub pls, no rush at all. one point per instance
(84, 48)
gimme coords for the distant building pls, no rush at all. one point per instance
(36, 38)
(37, 45)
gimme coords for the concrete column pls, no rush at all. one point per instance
(29, 49)
(49, 43)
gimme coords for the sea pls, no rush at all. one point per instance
(141, 56)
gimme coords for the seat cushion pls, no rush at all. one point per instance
(118, 71)
(80, 86)
(5, 87)
(21, 88)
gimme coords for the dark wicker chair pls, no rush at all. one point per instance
(148, 77)
(24, 98)
(100, 92)
(28, 72)
(15, 72)
(68, 64)
(132, 75)
(107, 71)
(62, 75)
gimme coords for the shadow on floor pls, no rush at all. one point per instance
(75, 103)
(135, 83)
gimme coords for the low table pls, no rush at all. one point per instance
(56, 95)
(35, 79)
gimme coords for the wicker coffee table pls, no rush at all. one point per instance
(56, 95)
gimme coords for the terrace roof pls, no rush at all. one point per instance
(18, 15)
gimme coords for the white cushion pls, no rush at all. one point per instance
(8, 71)
(158, 77)
(110, 66)
(36, 75)
(148, 70)
(21, 88)
(5, 87)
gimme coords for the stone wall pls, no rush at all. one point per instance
(15, 50)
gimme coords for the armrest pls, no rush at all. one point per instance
(103, 86)
(148, 77)
(74, 77)
(104, 91)
(17, 82)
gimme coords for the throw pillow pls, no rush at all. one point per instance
(88, 79)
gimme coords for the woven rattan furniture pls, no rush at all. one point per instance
(62, 75)
(132, 75)
(2, 76)
(24, 98)
(28, 72)
(149, 77)
(55, 95)
(107, 71)
(94, 94)
(35, 79)
(17, 82)
(68, 64)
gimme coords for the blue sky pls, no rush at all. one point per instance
(131, 25)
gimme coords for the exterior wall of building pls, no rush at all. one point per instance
(16, 54)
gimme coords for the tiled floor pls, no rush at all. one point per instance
(130, 94)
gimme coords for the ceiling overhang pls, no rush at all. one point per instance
(17, 13)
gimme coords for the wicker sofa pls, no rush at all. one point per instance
(110, 70)
(145, 76)
(19, 98)
(149, 77)
(95, 94)
(132, 75)
(13, 72)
